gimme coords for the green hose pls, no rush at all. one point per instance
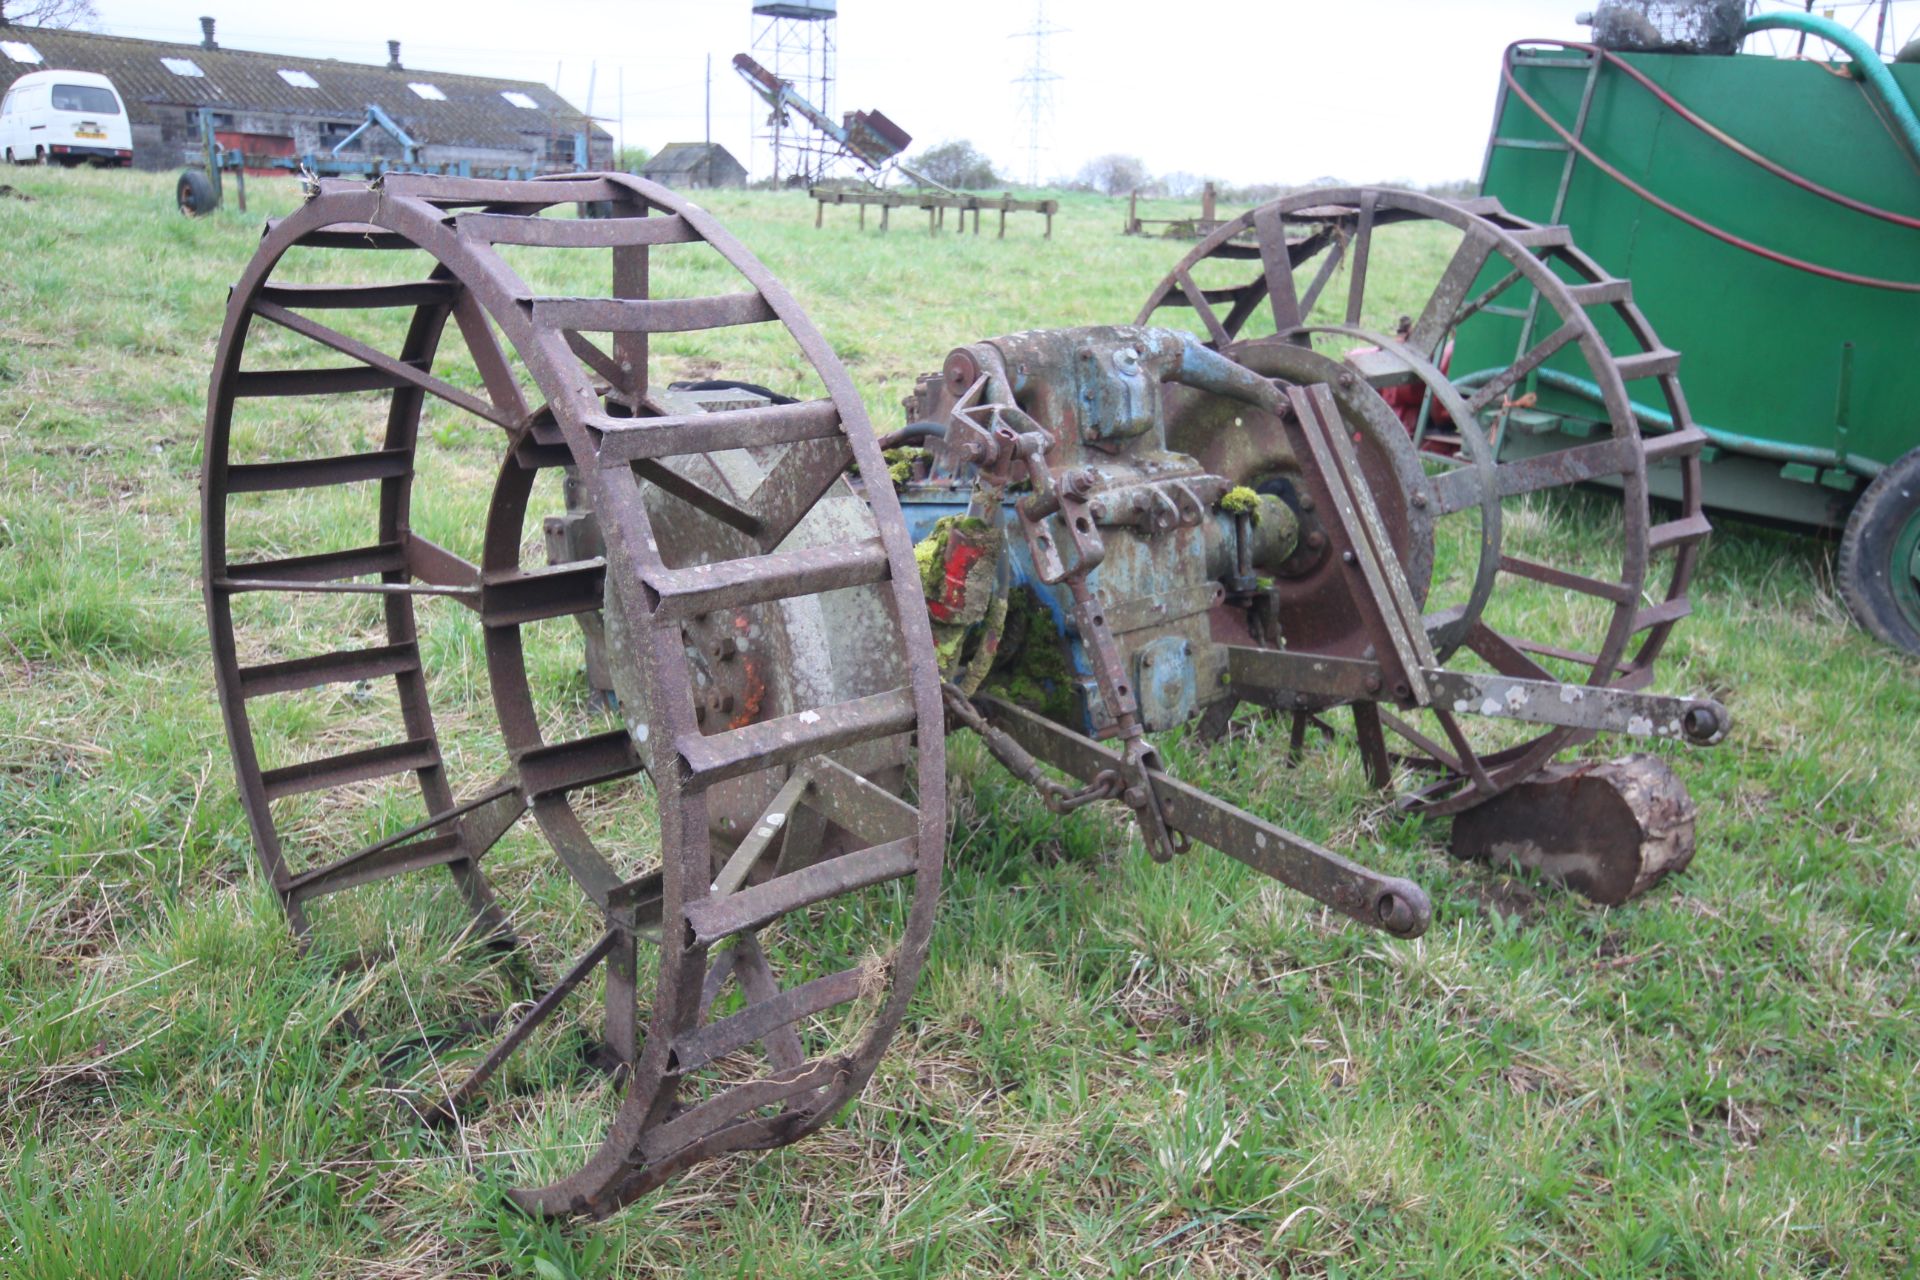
(1866, 65)
(1662, 422)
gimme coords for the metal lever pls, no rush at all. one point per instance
(1700, 722)
(1390, 903)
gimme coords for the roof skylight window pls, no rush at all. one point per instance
(20, 51)
(519, 99)
(299, 79)
(431, 92)
(183, 67)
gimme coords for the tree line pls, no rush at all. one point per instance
(962, 166)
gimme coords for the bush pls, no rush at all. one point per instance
(1115, 175)
(956, 164)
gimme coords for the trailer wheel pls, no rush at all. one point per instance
(1880, 556)
(194, 193)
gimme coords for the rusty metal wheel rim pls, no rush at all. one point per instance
(458, 222)
(1342, 222)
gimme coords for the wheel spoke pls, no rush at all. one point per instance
(352, 869)
(386, 364)
(1278, 265)
(1466, 487)
(1443, 306)
(1618, 592)
(1538, 355)
(542, 1009)
(1362, 249)
(1198, 301)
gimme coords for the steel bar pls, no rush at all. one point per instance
(1395, 905)
(714, 918)
(1700, 721)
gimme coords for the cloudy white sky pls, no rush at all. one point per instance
(1247, 90)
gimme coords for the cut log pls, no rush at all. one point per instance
(1609, 831)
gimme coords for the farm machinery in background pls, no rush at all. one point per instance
(201, 191)
(871, 141)
(1082, 540)
(1772, 232)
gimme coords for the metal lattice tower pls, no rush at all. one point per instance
(794, 39)
(1036, 88)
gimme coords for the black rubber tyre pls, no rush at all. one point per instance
(194, 193)
(1877, 554)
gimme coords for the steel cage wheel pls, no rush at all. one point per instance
(1297, 247)
(777, 820)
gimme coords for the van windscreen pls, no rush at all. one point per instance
(90, 98)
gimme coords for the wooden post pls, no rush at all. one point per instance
(1133, 214)
(886, 207)
(863, 213)
(1050, 206)
(1003, 218)
(1206, 203)
(819, 211)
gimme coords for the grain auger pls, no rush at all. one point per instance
(1088, 538)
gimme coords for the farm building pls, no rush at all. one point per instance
(274, 104)
(686, 165)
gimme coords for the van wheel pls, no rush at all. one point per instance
(10, 159)
(1880, 556)
(39, 155)
(194, 194)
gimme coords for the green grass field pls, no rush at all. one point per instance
(1111, 1067)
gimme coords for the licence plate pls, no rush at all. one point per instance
(84, 132)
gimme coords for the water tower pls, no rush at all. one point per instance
(794, 39)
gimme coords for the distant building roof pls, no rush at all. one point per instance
(436, 107)
(685, 157)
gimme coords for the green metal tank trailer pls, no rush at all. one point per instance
(1767, 211)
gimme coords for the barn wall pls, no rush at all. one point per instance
(168, 137)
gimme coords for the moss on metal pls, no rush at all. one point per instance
(1241, 500)
(1032, 670)
(900, 463)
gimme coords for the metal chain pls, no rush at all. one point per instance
(1015, 759)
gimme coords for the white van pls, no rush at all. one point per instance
(68, 117)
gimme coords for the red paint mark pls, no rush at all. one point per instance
(961, 557)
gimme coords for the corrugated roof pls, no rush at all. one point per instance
(471, 112)
(684, 157)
